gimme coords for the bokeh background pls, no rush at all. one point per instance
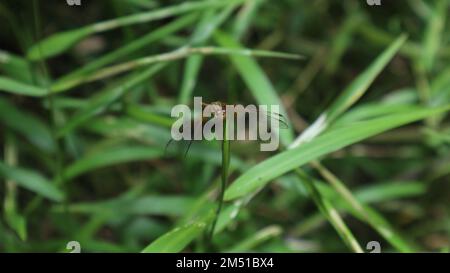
(82, 151)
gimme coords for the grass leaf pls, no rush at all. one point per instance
(177, 239)
(32, 181)
(100, 102)
(125, 205)
(328, 210)
(351, 94)
(130, 48)
(255, 79)
(26, 124)
(57, 44)
(110, 156)
(433, 34)
(177, 54)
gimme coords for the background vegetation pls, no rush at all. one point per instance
(86, 94)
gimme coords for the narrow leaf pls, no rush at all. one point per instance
(110, 156)
(256, 80)
(177, 239)
(99, 103)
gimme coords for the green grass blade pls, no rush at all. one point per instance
(174, 206)
(177, 239)
(19, 88)
(32, 181)
(99, 103)
(223, 177)
(351, 94)
(193, 226)
(131, 47)
(364, 212)
(12, 216)
(60, 42)
(342, 41)
(391, 190)
(256, 239)
(375, 194)
(434, 33)
(16, 67)
(369, 111)
(25, 123)
(384, 228)
(245, 17)
(334, 140)
(209, 23)
(330, 213)
(178, 54)
(110, 156)
(144, 114)
(190, 74)
(378, 36)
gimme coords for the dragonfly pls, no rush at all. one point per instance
(219, 110)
